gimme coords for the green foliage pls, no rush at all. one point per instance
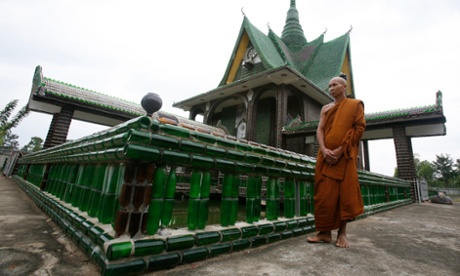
(10, 141)
(6, 124)
(443, 172)
(35, 144)
(425, 171)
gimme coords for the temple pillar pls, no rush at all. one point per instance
(405, 158)
(367, 164)
(59, 128)
(281, 114)
(250, 117)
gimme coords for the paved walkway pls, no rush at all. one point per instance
(419, 239)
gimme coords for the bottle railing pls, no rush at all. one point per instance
(128, 174)
(381, 193)
(123, 180)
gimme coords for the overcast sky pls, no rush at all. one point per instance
(402, 53)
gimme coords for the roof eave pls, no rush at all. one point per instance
(281, 75)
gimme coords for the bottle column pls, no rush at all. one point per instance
(168, 202)
(141, 198)
(229, 205)
(109, 201)
(96, 192)
(272, 199)
(194, 199)
(122, 215)
(289, 198)
(203, 209)
(155, 208)
(253, 198)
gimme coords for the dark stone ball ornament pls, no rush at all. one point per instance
(151, 103)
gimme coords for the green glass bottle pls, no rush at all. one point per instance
(159, 181)
(272, 199)
(195, 184)
(112, 183)
(192, 213)
(166, 215)
(289, 207)
(205, 185)
(233, 211)
(227, 185)
(171, 184)
(203, 213)
(154, 215)
(250, 203)
(87, 187)
(97, 190)
(76, 193)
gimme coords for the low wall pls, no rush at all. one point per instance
(447, 191)
(113, 193)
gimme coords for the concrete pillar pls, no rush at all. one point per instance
(59, 128)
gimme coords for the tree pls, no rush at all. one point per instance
(457, 173)
(426, 171)
(10, 141)
(5, 124)
(35, 144)
(443, 168)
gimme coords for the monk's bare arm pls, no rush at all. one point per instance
(328, 155)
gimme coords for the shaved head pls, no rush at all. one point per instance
(338, 88)
(339, 79)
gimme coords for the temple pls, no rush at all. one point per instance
(113, 192)
(271, 93)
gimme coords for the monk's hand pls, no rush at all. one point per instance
(338, 152)
(329, 156)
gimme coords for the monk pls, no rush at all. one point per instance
(338, 197)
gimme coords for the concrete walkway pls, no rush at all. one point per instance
(413, 240)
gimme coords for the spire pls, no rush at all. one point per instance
(293, 34)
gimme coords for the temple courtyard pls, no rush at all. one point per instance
(418, 239)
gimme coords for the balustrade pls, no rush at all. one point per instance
(120, 183)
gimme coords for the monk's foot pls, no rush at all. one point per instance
(342, 241)
(321, 237)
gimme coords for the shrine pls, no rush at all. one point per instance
(113, 192)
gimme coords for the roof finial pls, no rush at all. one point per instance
(292, 34)
(325, 31)
(351, 28)
(268, 25)
(151, 103)
(243, 12)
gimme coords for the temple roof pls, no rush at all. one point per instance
(419, 121)
(50, 96)
(314, 62)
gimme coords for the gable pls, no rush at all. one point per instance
(250, 36)
(327, 61)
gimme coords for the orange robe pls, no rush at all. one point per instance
(337, 191)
